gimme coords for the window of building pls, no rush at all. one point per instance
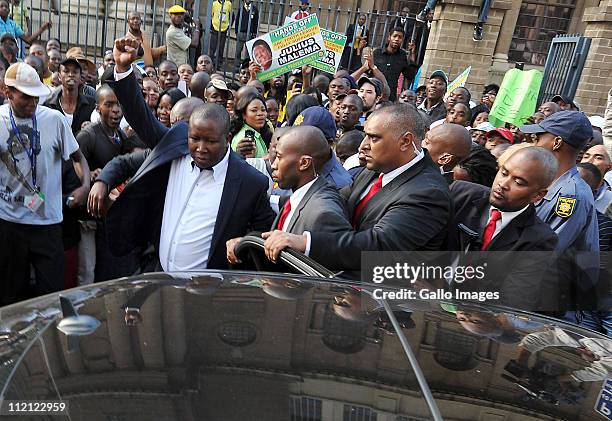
(538, 23)
(455, 350)
(305, 409)
(358, 413)
(237, 333)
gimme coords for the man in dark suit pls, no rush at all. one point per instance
(192, 193)
(356, 40)
(314, 204)
(505, 220)
(399, 202)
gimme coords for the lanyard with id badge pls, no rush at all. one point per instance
(36, 198)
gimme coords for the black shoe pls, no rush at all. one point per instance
(422, 16)
(477, 33)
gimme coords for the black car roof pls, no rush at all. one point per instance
(240, 345)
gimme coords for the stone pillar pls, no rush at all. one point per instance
(500, 57)
(450, 46)
(596, 79)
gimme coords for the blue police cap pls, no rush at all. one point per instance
(318, 117)
(572, 126)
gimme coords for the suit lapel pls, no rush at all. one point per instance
(480, 206)
(381, 197)
(164, 152)
(316, 186)
(228, 200)
(363, 181)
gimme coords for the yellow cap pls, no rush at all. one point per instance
(177, 8)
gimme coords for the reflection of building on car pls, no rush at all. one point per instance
(228, 337)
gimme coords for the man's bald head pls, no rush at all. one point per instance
(299, 156)
(198, 84)
(523, 179)
(307, 140)
(448, 144)
(354, 100)
(546, 164)
(212, 112)
(245, 91)
(183, 109)
(549, 108)
(257, 85)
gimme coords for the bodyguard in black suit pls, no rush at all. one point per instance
(505, 221)
(315, 204)
(137, 217)
(400, 202)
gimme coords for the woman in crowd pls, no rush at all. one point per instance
(272, 106)
(150, 91)
(167, 99)
(249, 128)
(277, 89)
(478, 117)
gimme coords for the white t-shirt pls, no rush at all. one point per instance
(56, 143)
(177, 44)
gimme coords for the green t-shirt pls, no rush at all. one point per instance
(260, 146)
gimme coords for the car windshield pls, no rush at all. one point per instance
(256, 346)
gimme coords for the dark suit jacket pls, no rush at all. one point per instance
(321, 209)
(407, 27)
(518, 276)
(350, 33)
(413, 212)
(136, 216)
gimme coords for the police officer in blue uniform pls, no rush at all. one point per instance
(568, 207)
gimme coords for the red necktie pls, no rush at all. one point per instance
(363, 202)
(283, 215)
(490, 228)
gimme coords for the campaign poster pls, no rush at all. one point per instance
(289, 47)
(334, 46)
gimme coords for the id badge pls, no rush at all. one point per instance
(35, 201)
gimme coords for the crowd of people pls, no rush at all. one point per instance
(161, 164)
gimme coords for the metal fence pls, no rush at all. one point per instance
(564, 65)
(95, 24)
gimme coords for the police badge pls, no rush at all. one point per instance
(565, 206)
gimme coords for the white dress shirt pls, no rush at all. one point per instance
(192, 203)
(506, 218)
(392, 175)
(295, 200)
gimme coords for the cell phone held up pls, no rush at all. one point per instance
(250, 134)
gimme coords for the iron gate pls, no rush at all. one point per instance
(564, 65)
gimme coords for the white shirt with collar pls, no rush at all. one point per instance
(392, 175)
(295, 200)
(506, 218)
(192, 203)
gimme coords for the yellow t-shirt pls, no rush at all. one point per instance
(47, 81)
(20, 14)
(217, 18)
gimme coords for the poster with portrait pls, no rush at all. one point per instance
(334, 46)
(289, 47)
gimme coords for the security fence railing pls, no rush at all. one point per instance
(95, 24)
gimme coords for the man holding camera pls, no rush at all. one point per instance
(177, 42)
